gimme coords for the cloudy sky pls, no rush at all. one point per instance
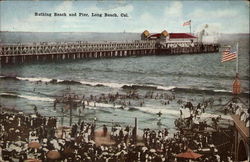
(155, 16)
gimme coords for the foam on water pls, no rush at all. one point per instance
(121, 85)
(156, 109)
(59, 80)
(93, 105)
(9, 94)
(176, 113)
(34, 79)
(166, 88)
(221, 90)
(112, 85)
(208, 115)
(33, 98)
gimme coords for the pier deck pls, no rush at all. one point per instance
(21, 53)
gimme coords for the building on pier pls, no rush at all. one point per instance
(165, 37)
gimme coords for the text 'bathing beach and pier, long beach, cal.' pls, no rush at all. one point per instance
(167, 96)
(82, 14)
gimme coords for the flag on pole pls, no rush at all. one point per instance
(228, 55)
(187, 23)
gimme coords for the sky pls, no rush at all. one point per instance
(152, 15)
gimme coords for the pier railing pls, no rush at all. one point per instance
(60, 48)
(21, 53)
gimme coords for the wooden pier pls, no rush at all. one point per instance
(39, 52)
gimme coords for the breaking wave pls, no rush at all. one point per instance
(33, 98)
(152, 109)
(121, 85)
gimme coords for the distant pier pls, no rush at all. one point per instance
(41, 52)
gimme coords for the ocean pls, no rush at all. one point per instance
(193, 77)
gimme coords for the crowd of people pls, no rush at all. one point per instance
(78, 144)
(20, 125)
(34, 136)
(168, 147)
(129, 99)
(126, 135)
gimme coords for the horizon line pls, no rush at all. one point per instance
(95, 32)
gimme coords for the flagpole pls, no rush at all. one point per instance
(237, 58)
(190, 26)
(236, 83)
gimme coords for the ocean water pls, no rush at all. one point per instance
(189, 77)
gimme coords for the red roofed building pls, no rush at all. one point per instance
(157, 35)
(181, 36)
(170, 37)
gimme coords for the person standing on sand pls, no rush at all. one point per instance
(105, 130)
